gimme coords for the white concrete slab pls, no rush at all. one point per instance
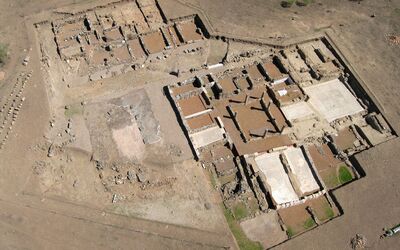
(297, 111)
(207, 136)
(333, 100)
(301, 169)
(276, 177)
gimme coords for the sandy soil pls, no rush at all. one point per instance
(369, 204)
(71, 178)
(264, 228)
(129, 141)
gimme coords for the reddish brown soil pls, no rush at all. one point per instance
(345, 139)
(258, 91)
(99, 56)
(227, 84)
(293, 92)
(122, 53)
(189, 32)
(239, 98)
(252, 117)
(276, 113)
(191, 105)
(243, 83)
(136, 49)
(200, 121)
(323, 157)
(113, 34)
(154, 42)
(183, 89)
(321, 208)
(262, 145)
(272, 71)
(254, 73)
(295, 217)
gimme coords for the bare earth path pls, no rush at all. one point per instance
(28, 222)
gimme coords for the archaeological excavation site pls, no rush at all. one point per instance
(158, 123)
(278, 134)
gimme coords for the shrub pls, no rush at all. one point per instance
(344, 175)
(287, 4)
(309, 223)
(290, 232)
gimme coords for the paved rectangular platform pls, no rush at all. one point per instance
(281, 188)
(333, 100)
(301, 170)
(297, 111)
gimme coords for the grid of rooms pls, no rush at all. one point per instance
(278, 134)
(126, 34)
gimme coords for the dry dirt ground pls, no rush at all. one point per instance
(31, 218)
(359, 29)
(47, 201)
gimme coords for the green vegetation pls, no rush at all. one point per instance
(334, 179)
(397, 11)
(241, 238)
(331, 180)
(298, 227)
(324, 212)
(240, 211)
(290, 232)
(309, 223)
(329, 213)
(344, 174)
(322, 209)
(3, 53)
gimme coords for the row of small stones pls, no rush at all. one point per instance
(12, 112)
